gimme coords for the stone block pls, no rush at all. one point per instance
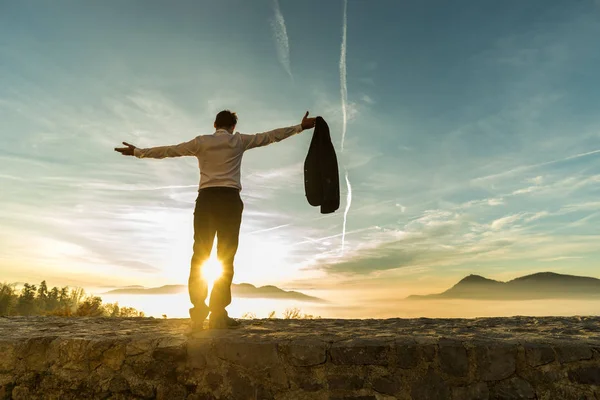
(345, 382)
(214, 380)
(173, 354)
(308, 379)
(305, 353)
(513, 389)
(21, 393)
(431, 386)
(572, 353)
(476, 391)
(453, 358)
(589, 375)
(198, 351)
(34, 353)
(165, 391)
(140, 346)
(241, 385)
(7, 383)
(360, 352)
(114, 357)
(250, 354)
(8, 360)
(427, 351)
(407, 355)
(118, 384)
(538, 354)
(386, 385)
(495, 362)
(138, 385)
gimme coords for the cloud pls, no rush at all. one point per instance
(500, 223)
(538, 180)
(281, 39)
(528, 167)
(367, 99)
(493, 201)
(537, 216)
(562, 258)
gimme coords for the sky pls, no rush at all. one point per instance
(470, 132)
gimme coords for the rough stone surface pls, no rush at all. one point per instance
(539, 354)
(476, 391)
(455, 359)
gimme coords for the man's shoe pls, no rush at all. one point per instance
(196, 326)
(222, 322)
(198, 315)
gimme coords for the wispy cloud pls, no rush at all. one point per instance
(367, 99)
(524, 168)
(281, 39)
(504, 221)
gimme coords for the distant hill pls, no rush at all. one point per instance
(543, 285)
(238, 290)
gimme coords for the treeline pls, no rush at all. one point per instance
(64, 302)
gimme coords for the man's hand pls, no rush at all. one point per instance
(308, 123)
(126, 151)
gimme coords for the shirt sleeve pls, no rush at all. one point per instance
(190, 148)
(265, 138)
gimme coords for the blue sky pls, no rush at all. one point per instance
(472, 141)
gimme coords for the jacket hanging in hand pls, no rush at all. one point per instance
(321, 174)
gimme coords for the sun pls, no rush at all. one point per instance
(212, 270)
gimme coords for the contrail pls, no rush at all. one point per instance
(348, 203)
(281, 37)
(343, 82)
(344, 95)
(531, 166)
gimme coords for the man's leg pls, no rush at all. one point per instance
(204, 236)
(228, 229)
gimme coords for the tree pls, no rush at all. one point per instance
(90, 307)
(7, 298)
(77, 295)
(58, 302)
(42, 296)
(53, 300)
(112, 309)
(26, 301)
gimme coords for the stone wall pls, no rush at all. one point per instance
(494, 358)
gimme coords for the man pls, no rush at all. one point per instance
(218, 206)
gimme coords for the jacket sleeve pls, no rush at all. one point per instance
(190, 148)
(266, 138)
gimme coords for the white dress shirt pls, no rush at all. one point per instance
(220, 154)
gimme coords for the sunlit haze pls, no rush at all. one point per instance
(467, 135)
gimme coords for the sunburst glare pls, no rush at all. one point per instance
(212, 270)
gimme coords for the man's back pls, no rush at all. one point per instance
(220, 154)
(219, 207)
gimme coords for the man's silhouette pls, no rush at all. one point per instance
(218, 206)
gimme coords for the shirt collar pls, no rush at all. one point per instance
(222, 132)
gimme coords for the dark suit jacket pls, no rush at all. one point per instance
(321, 175)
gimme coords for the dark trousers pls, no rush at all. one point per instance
(218, 212)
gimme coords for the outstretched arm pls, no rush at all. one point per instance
(276, 135)
(190, 148)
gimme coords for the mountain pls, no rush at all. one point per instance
(245, 290)
(543, 285)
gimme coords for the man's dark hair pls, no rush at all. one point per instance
(225, 119)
